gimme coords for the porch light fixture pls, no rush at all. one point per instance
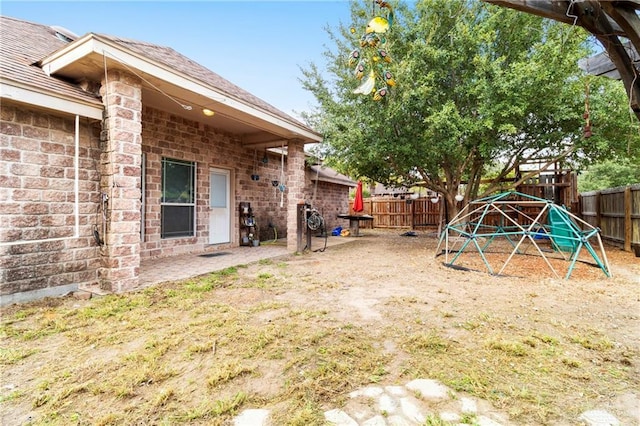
(459, 197)
(208, 112)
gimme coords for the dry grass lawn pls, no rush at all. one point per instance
(297, 335)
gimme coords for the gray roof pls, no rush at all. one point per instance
(22, 45)
(180, 63)
(326, 174)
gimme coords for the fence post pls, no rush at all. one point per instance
(627, 218)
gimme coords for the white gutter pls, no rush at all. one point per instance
(76, 205)
(31, 96)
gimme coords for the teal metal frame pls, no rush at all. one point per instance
(561, 228)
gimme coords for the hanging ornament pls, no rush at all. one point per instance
(587, 114)
(372, 54)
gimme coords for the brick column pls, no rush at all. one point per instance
(120, 170)
(295, 189)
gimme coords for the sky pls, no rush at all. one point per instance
(257, 45)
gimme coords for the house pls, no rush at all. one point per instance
(113, 151)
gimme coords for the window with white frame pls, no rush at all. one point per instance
(178, 203)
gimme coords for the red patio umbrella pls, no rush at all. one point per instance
(358, 203)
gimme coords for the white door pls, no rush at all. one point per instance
(219, 211)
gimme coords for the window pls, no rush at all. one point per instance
(178, 207)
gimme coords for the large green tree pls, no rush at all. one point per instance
(476, 86)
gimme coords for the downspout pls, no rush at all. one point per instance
(76, 190)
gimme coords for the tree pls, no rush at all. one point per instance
(476, 85)
(609, 174)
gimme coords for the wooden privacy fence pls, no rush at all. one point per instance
(616, 211)
(400, 213)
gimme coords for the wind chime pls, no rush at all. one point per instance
(372, 57)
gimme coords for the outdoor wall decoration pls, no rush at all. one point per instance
(372, 57)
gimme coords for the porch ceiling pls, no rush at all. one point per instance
(173, 83)
(251, 132)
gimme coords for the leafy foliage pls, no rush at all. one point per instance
(477, 86)
(609, 174)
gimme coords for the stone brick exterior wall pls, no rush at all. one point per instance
(331, 199)
(120, 180)
(167, 136)
(37, 198)
(37, 202)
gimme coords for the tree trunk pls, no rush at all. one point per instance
(451, 205)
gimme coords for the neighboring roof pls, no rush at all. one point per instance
(381, 190)
(22, 44)
(326, 174)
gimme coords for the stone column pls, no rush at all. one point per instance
(295, 189)
(120, 183)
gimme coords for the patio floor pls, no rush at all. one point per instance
(159, 270)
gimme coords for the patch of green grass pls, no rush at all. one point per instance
(593, 343)
(546, 339)
(10, 356)
(422, 342)
(227, 371)
(569, 362)
(508, 347)
(11, 396)
(232, 270)
(211, 410)
(435, 420)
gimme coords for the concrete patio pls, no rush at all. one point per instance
(159, 270)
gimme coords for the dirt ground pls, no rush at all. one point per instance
(364, 275)
(427, 319)
(384, 278)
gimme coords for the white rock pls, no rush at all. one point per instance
(398, 421)
(486, 421)
(375, 421)
(598, 418)
(430, 389)
(396, 390)
(252, 417)
(411, 410)
(339, 418)
(387, 405)
(371, 392)
(468, 405)
(450, 417)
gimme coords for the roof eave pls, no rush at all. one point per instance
(34, 96)
(92, 44)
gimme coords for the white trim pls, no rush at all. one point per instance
(143, 201)
(57, 103)
(229, 213)
(92, 43)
